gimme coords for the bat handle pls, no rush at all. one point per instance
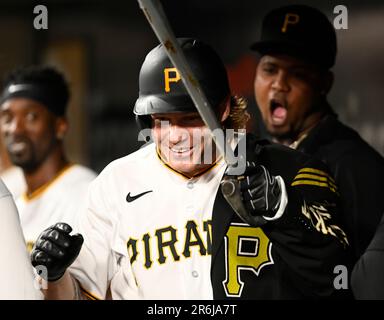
(230, 188)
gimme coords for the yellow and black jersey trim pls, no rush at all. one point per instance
(87, 294)
(315, 177)
(39, 191)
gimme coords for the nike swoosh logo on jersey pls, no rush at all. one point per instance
(133, 198)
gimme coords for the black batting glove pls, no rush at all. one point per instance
(261, 192)
(56, 249)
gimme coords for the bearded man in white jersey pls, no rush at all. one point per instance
(33, 125)
(156, 225)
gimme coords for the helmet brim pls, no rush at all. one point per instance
(147, 105)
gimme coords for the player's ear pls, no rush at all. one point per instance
(61, 127)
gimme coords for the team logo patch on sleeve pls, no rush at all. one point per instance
(320, 219)
(315, 177)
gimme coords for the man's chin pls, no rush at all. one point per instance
(182, 166)
(25, 165)
(279, 132)
(188, 170)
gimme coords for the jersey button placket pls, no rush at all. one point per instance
(190, 185)
(189, 206)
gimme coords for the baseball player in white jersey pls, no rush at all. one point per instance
(17, 280)
(57, 200)
(147, 225)
(157, 241)
(33, 125)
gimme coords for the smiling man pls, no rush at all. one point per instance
(156, 225)
(33, 126)
(297, 50)
(184, 142)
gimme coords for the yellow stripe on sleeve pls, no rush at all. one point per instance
(314, 183)
(316, 178)
(316, 171)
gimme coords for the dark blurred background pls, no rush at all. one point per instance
(100, 46)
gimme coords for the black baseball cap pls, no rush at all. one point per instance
(161, 89)
(300, 31)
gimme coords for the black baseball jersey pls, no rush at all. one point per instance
(290, 258)
(358, 171)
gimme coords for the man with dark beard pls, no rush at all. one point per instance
(33, 126)
(297, 50)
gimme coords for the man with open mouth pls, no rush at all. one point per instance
(296, 51)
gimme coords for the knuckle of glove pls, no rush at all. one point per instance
(255, 190)
(59, 238)
(53, 235)
(51, 249)
(62, 227)
(253, 179)
(256, 199)
(39, 257)
(45, 233)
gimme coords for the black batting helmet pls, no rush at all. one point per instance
(161, 89)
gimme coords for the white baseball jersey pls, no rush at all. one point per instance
(147, 231)
(17, 280)
(13, 178)
(57, 201)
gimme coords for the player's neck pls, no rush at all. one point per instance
(201, 171)
(295, 138)
(48, 170)
(197, 171)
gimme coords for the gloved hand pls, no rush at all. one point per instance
(261, 192)
(256, 196)
(56, 249)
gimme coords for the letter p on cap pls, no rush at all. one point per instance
(290, 18)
